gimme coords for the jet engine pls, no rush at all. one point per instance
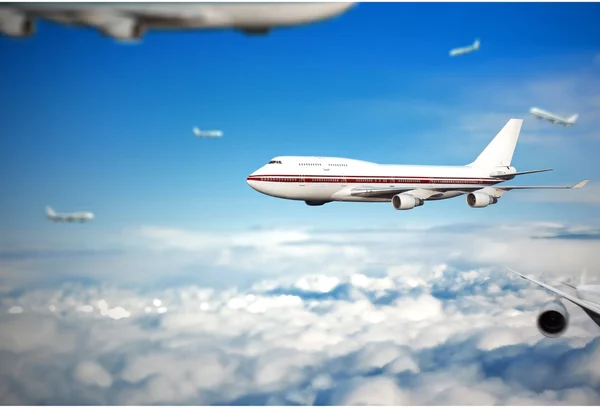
(406, 202)
(124, 29)
(255, 31)
(16, 24)
(553, 320)
(480, 200)
(315, 203)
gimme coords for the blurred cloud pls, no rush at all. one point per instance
(408, 315)
(192, 345)
(158, 256)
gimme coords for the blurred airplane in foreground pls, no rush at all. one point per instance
(208, 133)
(542, 114)
(70, 217)
(130, 21)
(554, 318)
(465, 50)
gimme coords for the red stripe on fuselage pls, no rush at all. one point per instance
(287, 178)
(252, 177)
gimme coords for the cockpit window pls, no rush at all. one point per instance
(275, 162)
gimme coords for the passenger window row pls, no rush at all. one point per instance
(369, 180)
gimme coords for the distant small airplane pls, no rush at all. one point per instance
(321, 180)
(542, 114)
(130, 21)
(554, 318)
(208, 133)
(70, 217)
(465, 50)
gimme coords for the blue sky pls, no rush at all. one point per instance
(94, 125)
(191, 288)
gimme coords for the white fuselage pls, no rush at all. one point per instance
(325, 179)
(208, 133)
(464, 50)
(73, 217)
(184, 15)
(542, 114)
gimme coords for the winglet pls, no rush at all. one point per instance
(580, 184)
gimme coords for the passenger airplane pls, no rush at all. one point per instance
(554, 318)
(71, 217)
(542, 114)
(465, 50)
(130, 21)
(208, 133)
(320, 180)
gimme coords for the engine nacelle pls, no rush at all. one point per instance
(256, 31)
(406, 202)
(553, 320)
(126, 29)
(316, 203)
(480, 200)
(16, 24)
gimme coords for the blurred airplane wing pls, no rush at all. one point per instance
(585, 305)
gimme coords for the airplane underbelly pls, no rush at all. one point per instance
(318, 191)
(298, 191)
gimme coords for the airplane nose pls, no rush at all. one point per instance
(254, 181)
(251, 182)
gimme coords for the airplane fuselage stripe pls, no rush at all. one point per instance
(287, 178)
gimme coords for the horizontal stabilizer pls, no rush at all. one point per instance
(519, 173)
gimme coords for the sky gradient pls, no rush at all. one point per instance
(185, 266)
(94, 125)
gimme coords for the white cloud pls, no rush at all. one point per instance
(92, 374)
(416, 326)
(370, 391)
(382, 340)
(330, 254)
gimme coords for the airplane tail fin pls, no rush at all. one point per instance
(573, 119)
(500, 150)
(49, 211)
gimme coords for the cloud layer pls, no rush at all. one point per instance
(367, 317)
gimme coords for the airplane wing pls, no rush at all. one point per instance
(422, 193)
(428, 193)
(585, 305)
(499, 191)
(569, 285)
